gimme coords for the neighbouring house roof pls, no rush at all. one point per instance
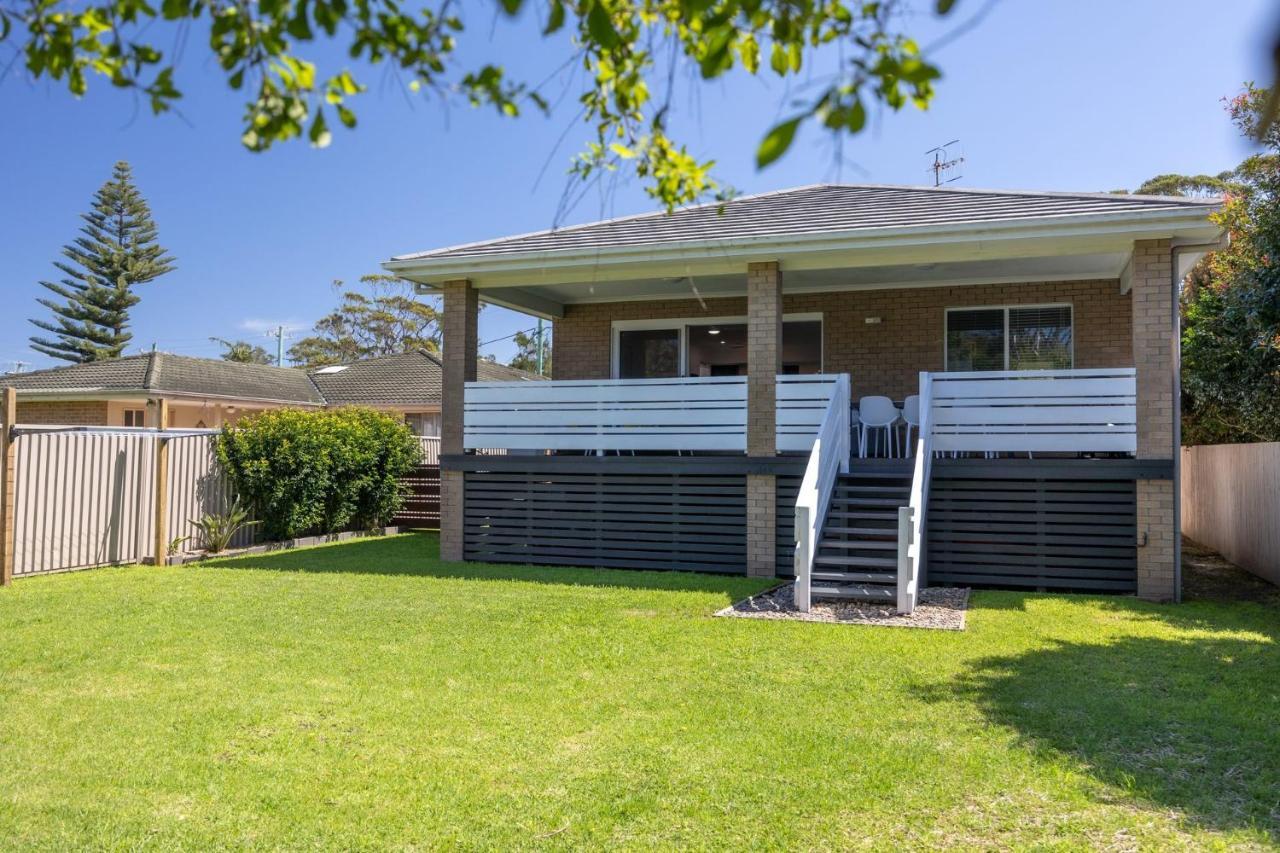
(409, 379)
(819, 209)
(160, 373)
(406, 379)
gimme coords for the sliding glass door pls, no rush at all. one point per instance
(701, 348)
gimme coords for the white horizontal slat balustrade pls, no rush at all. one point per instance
(697, 413)
(1035, 410)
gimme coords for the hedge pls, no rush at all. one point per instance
(304, 473)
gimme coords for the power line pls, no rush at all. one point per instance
(505, 337)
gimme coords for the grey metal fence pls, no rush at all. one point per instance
(87, 497)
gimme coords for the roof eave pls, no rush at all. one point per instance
(149, 393)
(504, 269)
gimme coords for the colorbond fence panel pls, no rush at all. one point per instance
(1231, 503)
(87, 498)
(82, 499)
(197, 488)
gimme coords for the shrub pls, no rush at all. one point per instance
(218, 529)
(302, 473)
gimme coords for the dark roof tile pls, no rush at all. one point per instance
(822, 208)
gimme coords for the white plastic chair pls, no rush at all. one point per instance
(877, 413)
(855, 428)
(911, 416)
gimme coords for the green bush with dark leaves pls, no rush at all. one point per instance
(303, 473)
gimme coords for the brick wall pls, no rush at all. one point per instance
(764, 353)
(459, 358)
(885, 358)
(1153, 357)
(762, 525)
(64, 412)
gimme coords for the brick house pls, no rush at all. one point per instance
(709, 365)
(208, 393)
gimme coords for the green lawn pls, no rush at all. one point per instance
(366, 695)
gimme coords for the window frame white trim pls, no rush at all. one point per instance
(682, 324)
(1005, 308)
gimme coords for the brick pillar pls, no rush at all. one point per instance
(764, 362)
(458, 325)
(1154, 351)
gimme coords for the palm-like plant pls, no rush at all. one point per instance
(218, 529)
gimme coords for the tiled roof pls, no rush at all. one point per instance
(160, 372)
(216, 378)
(395, 380)
(818, 209)
(116, 374)
(399, 380)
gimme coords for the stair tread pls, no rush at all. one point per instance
(865, 515)
(896, 488)
(881, 562)
(863, 531)
(853, 544)
(885, 501)
(853, 577)
(858, 591)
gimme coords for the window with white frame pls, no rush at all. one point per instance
(1015, 337)
(135, 417)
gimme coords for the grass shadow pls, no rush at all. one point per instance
(1187, 723)
(417, 554)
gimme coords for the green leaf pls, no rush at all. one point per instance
(778, 58)
(512, 6)
(600, 27)
(172, 10)
(320, 135)
(776, 142)
(299, 27)
(346, 116)
(944, 6)
(556, 20)
(715, 59)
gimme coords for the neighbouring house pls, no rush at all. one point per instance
(204, 392)
(409, 383)
(710, 365)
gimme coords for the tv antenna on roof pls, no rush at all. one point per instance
(944, 162)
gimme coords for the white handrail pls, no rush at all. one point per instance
(911, 551)
(828, 458)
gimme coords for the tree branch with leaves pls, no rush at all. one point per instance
(629, 50)
(386, 320)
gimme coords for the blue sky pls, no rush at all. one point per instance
(1080, 95)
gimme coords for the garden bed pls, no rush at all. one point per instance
(267, 547)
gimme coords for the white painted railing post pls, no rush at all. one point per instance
(804, 558)
(911, 518)
(906, 567)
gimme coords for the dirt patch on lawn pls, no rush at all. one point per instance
(1208, 576)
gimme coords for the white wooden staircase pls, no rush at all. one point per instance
(857, 550)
